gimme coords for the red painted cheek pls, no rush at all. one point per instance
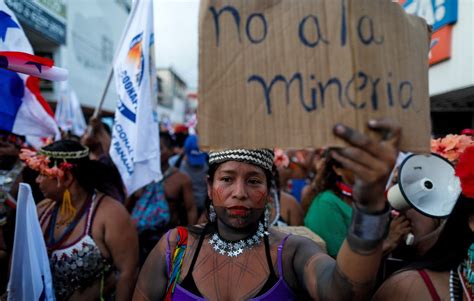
(260, 197)
(217, 195)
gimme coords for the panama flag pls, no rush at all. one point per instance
(23, 110)
(135, 146)
(30, 276)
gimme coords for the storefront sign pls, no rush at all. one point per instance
(437, 13)
(40, 19)
(441, 45)
(441, 14)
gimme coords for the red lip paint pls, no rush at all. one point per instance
(238, 211)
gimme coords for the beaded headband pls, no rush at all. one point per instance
(65, 155)
(40, 160)
(262, 158)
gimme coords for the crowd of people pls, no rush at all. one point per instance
(210, 228)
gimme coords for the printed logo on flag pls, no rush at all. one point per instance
(132, 77)
(136, 58)
(135, 134)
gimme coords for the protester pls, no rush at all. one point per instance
(445, 271)
(330, 213)
(286, 211)
(98, 138)
(425, 229)
(177, 186)
(294, 174)
(193, 162)
(310, 191)
(10, 175)
(290, 212)
(90, 238)
(180, 134)
(235, 247)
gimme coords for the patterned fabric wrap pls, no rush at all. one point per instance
(262, 158)
(177, 261)
(77, 267)
(151, 212)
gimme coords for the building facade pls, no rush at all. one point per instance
(80, 36)
(451, 73)
(173, 103)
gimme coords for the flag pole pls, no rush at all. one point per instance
(111, 71)
(104, 93)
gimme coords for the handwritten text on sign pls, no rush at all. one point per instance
(316, 60)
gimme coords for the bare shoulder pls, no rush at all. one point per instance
(112, 204)
(112, 210)
(296, 243)
(183, 177)
(406, 285)
(290, 202)
(288, 198)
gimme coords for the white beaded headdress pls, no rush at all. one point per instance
(262, 158)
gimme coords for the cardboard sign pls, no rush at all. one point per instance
(284, 72)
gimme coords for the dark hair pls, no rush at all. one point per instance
(90, 174)
(179, 139)
(107, 128)
(167, 139)
(327, 177)
(451, 247)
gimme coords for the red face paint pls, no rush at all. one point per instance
(218, 195)
(234, 185)
(260, 196)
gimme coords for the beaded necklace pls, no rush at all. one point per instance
(454, 284)
(235, 248)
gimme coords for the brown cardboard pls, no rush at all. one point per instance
(236, 61)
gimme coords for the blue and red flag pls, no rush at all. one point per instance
(32, 65)
(23, 110)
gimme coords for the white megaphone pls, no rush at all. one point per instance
(426, 183)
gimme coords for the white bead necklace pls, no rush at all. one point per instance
(235, 248)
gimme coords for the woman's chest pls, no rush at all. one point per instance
(220, 277)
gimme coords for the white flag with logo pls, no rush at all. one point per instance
(30, 276)
(135, 146)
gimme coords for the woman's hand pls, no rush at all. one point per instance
(371, 161)
(399, 228)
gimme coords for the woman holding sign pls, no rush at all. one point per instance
(236, 257)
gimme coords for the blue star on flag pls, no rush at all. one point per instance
(38, 65)
(6, 22)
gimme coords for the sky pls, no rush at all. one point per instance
(176, 37)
